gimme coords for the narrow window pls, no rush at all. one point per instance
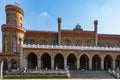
(77, 43)
(68, 43)
(88, 44)
(5, 47)
(55, 43)
(14, 16)
(5, 37)
(32, 42)
(14, 38)
(44, 42)
(14, 48)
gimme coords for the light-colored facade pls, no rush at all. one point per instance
(73, 49)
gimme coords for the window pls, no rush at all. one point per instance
(44, 42)
(116, 45)
(21, 18)
(88, 44)
(8, 15)
(14, 22)
(14, 38)
(8, 21)
(5, 37)
(14, 16)
(55, 43)
(77, 43)
(106, 45)
(32, 42)
(14, 48)
(5, 47)
(68, 43)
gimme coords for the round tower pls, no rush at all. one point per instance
(13, 30)
(14, 15)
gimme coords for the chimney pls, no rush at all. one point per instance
(59, 31)
(95, 30)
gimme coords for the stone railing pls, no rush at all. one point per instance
(71, 47)
(115, 73)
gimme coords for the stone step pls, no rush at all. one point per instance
(90, 74)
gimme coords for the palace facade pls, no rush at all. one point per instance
(72, 49)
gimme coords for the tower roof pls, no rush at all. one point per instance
(15, 8)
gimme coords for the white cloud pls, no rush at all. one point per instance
(44, 14)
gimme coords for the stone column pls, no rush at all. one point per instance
(113, 63)
(52, 63)
(102, 64)
(78, 64)
(21, 54)
(90, 64)
(65, 63)
(39, 63)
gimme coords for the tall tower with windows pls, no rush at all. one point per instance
(13, 30)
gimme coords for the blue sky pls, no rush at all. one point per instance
(43, 14)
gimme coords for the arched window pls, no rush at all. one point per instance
(8, 15)
(14, 22)
(21, 18)
(106, 44)
(88, 44)
(14, 48)
(68, 43)
(44, 42)
(116, 45)
(5, 48)
(55, 43)
(14, 38)
(32, 42)
(5, 37)
(8, 21)
(77, 43)
(14, 16)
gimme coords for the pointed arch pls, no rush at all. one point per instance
(46, 61)
(117, 62)
(96, 62)
(13, 63)
(72, 61)
(84, 62)
(32, 61)
(108, 62)
(59, 61)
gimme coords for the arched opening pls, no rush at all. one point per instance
(13, 64)
(96, 62)
(84, 62)
(107, 62)
(117, 61)
(59, 61)
(46, 61)
(71, 61)
(32, 61)
(5, 64)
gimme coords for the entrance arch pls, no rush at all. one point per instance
(32, 61)
(84, 62)
(96, 62)
(59, 61)
(107, 62)
(71, 61)
(46, 61)
(13, 64)
(117, 61)
(5, 64)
